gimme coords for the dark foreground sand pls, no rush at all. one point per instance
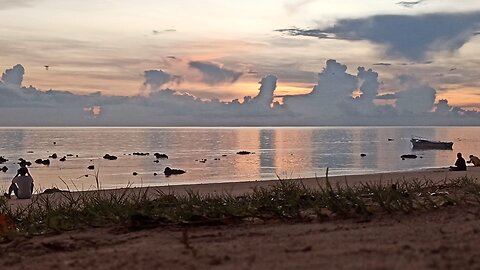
(442, 239)
(448, 238)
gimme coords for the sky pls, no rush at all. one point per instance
(115, 62)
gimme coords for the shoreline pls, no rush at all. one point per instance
(244, 187)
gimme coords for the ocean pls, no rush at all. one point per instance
(277, 152)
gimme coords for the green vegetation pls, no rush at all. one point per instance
(289, 200)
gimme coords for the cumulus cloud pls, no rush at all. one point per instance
(14, 76)
(331, 102)
(155, 79)
(215, 74)
(413, 37)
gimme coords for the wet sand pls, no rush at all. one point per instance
(443, 239)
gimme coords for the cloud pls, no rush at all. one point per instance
(155, 79)
(214, 74)
(295, 5)
(7, 4)
(330, 102)
(410, 4)
(14, 76)
(164, 31)
(382, 64)
(413, 37)
(415, 97)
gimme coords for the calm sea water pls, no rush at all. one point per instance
(283, 152)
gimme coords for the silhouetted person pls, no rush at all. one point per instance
(22, 185)
(460, 164)
(474, 160)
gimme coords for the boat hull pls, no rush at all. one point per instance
(421, 144)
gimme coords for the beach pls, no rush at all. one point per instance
(240, 188)
(446, 238)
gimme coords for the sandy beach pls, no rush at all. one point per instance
(442, 239)
(239, 188)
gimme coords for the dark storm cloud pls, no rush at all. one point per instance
(215, 74)
(412, 37)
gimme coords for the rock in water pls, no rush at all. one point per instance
(3, 160)
(168, 171)
(244, 153)
(409, 156)
(91, 167)
(46, 162)
(159, 156)
(109, 157)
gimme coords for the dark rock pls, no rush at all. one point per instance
(63, 159)
(409, 156)
(159, 156)
(91, 167)
(46, 162)
(39, 161)
(155, 174)
(109, 157)
(140, 154)
(29, 152)
(390, 140)
(224, 155)
(363, 155)
(53, 190)
(156, 161)
(54, 156)
(168, 171)
(244, 153)
(4, 169)
(54, 143)
(216, 159)
(69, 155)
(24, 163)
(203, 160)
(135, 173)
(3, 160)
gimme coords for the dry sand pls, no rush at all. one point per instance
(442, 239)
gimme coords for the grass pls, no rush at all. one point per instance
(289, 201)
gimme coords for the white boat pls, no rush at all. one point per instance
(420, 143)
